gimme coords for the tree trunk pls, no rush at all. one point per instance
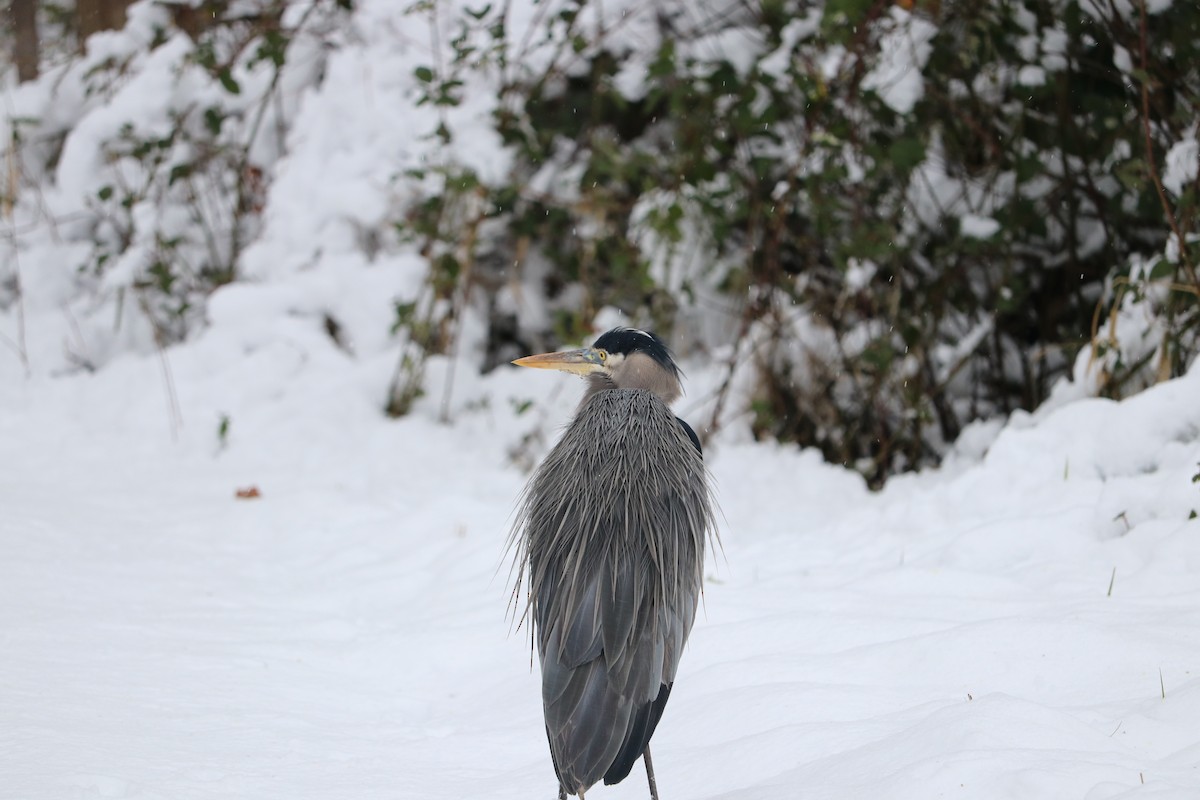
(99, 15)
(23, 18)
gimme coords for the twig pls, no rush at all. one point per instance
(19, 345)
(174, 414)
(244, 162)
(464, 290)
(731, 366)
(78, 356)
(1151, 165)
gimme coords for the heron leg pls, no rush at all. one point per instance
(650, 773)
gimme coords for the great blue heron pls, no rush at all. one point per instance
(610, 538)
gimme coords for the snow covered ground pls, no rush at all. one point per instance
(960, 634)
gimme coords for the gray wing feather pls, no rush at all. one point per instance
(618, 607)
(584, 633)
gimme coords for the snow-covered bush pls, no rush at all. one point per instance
(150, 155)
(903, 216)
(910, 215)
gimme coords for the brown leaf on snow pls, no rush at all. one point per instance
(248, 493)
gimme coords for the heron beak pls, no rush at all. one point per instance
(584, 361)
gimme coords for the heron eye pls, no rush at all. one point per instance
(603, 356)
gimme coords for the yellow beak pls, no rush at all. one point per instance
(584, 361)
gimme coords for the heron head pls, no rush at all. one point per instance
(623, 358)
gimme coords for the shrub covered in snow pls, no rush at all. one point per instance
(887, 219)
(141, 167)
(907, 218)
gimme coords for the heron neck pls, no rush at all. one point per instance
(666, 390)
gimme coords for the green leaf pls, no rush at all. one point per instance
(906, 153)
(273, 47)
(227, 81)
(179, 171)
(404, 314)
(213, 120)
(878, 355)
(841, 18)
(1132, 174)
(423, 74)
(1162, 270)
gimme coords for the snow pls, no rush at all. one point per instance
(1054, 43)
(978, 227)
(1023, 622)
(903, 51)
(1031, 75)
(346, 634)
(796, 31)
(1122, 59)
(1183, 164)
